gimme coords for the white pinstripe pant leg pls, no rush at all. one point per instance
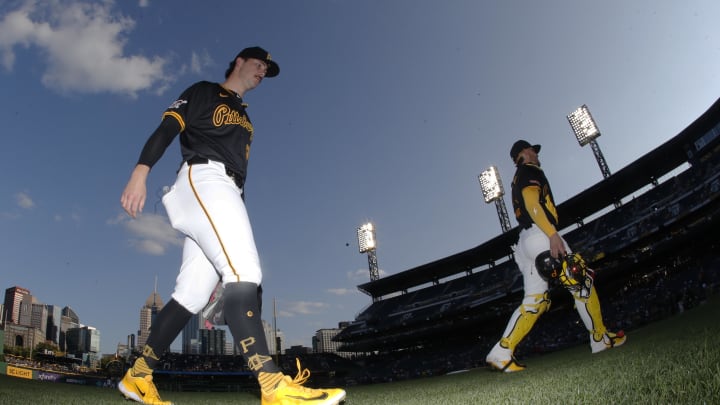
(206, 205)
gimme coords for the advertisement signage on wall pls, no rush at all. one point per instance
(19, 372)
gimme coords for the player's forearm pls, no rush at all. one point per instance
(140, 173)
(531, 197)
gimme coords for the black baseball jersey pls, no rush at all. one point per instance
(532, 175)
(212, 123)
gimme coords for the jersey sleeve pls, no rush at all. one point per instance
(531, 200)
(173, 122)
(159, 141)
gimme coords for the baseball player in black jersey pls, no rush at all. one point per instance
(206, 205)
(544, 257)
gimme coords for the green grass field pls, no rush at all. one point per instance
(675, 361)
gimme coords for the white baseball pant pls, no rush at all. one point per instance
(206, 206)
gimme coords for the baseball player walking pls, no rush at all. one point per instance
(206, 205)
(542, 256)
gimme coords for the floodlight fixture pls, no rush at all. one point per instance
(583, 125)
(491, 184)
(586, 131)
(368, 244)
(492, 190)
(366, 237)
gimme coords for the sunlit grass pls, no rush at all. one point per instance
(676, 361)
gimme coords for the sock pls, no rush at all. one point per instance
(165, 328)
(242, 315)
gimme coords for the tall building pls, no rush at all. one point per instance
(25, 313)
(230, 345)
(84, 342)
(191, 334)
(152, 306)
(212, 341)
(39, 316)
(323, 343)
(52, 328)
(68, 320)
(13, 298)
(273, 337)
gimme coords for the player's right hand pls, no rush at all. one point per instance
(557, 246)
(135, 193)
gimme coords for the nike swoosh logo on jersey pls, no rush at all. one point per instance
(324, 395)
(221, 94)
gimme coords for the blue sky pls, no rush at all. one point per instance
(384, 111)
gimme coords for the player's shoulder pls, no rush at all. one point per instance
(525, 174)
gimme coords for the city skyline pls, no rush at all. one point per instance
(183, 343)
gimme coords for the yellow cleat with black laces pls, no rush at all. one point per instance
(290, 391)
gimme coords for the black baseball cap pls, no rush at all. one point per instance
(256, 52)
(519, 146)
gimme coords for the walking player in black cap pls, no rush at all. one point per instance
(206, 204)
(544, 257)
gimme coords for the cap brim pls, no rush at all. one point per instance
(536, 148)
(272, 69)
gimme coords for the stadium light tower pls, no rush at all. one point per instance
(586, 131)
(367, 244)
(493, 191)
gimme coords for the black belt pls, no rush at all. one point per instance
(236, 178)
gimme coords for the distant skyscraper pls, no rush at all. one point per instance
(84, 342)
(25, 314)
(39, 316)
(274, 338)
(68, 320)
(152, 306)
(323, 342)
(229, 346)
(13, 298)
(191, 335)
(52, 329)
(212, 341)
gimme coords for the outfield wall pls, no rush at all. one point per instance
(43, 375)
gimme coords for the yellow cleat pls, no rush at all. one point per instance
(607, 341)
(140, 389)
(506, 366)
(291, 392)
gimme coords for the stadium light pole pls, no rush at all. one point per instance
(367, 244)
(586, 131)
(492, 189)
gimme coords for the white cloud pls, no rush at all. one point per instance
(363, 275)
(24, 201)
(341, 291)
(151, 233)
(199, 61)
(303, 308)
(83, 44)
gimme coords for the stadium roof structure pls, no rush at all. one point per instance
(688, 145)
